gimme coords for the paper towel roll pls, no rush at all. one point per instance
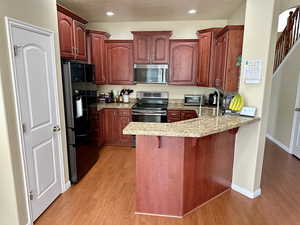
(79, 108)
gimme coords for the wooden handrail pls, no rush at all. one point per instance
(288, 38)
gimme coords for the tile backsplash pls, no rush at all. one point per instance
(175, 91)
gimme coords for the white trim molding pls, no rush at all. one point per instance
(246, 192)
(67, 186)
(280, 144)
(10, 22)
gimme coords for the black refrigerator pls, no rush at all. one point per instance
(82, 152)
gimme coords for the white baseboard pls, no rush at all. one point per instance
(245, 192)
(281, 145)
(67, 186)
(161, 215)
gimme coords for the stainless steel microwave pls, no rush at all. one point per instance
(194, 100)
(151, 74)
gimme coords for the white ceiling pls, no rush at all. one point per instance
(151, 10)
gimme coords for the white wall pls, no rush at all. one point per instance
(181, 29)
(284, 92)
(287, 4)
(12, 202)
(238, 16)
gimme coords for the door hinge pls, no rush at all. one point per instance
(23, 127)
(16, 49)
(31, 195)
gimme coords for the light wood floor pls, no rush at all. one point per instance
(106, 197)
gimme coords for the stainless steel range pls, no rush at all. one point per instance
(151, 107)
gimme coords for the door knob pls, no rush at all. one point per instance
(56, 129)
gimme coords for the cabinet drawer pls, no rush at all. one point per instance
(186, 115)
(174, 114)
(125, 112)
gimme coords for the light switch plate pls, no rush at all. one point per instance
(248, 111)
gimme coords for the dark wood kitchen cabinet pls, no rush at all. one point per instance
(72, 35)
(206, 44)
(179, 115)
(228, 48)
(111, 126)
(151, 47)
(80, 40)
(119, 59)
(115, 121)
(124, 118)
(183, 67)
(97, 55)
(65, 27)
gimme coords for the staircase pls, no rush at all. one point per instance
(288, 38)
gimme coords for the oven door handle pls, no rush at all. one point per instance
(148, 114)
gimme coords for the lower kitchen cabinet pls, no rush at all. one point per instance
(115, 121)
(179, 115)
(124, 120)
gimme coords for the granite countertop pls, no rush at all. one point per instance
(199, 127)
(171, 106)
(181, 106)
(101, 105)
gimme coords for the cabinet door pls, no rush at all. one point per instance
(220, 63)
(160, 49)
(142, 49)
(66, 41)
(111, 127)
(234, 49)
(119, 63)
(125, 140)
(205, 41)
(80, 40)
(97, 57)
(183, 62)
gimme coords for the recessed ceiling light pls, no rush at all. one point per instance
(192, 11)
(109, 13)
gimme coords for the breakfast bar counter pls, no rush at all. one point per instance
(182, 165)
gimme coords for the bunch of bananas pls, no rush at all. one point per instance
(237, 103)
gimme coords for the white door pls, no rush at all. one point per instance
(295, 137)
(296, 134)
(34, 65)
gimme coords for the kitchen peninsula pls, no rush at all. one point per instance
(182, 165)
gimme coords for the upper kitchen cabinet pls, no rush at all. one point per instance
(119, 58)
(72, 35)
(206, 44)
(151, 47)
(183, 62)
(228, 48)
(65, 26)
(96, 53)
(80, 40)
